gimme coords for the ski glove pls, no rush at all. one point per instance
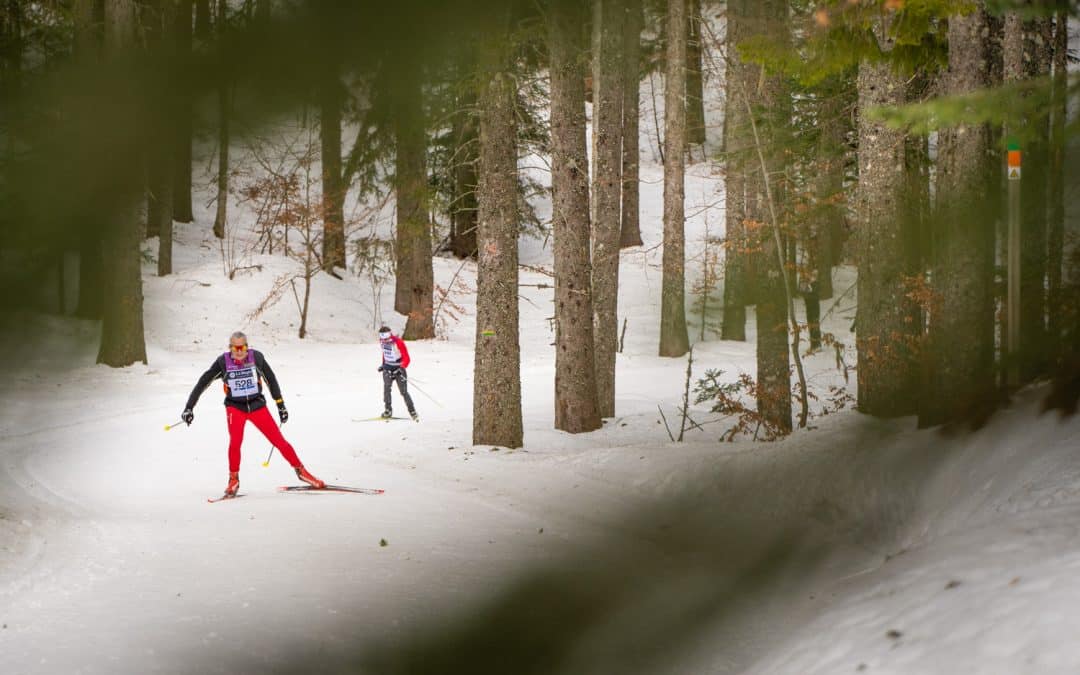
(187, 416)
(282, 413)
(380, 368)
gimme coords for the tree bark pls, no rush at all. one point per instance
(631, 202)
(738, 77)
(182, 154)
(960, 354)
(411, 183)
(497, 370)
(769, 18)
(695, 95)
(674, 340)
(122, 338)
(202, 19)
(607, 162)
(160, 144)
(463, 210)
(221, 215)
(1056, 187)
(576, 406)
(333, 191)
(885, 323)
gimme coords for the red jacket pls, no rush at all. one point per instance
(394, 352)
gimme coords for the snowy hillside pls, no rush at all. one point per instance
(855, 546)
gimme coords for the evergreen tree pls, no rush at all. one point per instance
(674, 340)
(607, 179)
(122, 338)
(576, 407)
(497, 369)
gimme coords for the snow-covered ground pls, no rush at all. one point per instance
(858, 545)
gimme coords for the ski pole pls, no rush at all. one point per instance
(413, 382)
(170, 426)
(267, 462)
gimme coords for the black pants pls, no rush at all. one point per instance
(389, 375)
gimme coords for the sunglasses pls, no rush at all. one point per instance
(238, 348)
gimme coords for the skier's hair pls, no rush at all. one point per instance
(238, 335)
(385, 329)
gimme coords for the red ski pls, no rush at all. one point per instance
(330, 488)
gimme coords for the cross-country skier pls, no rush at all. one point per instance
(395, 359)
(243, 371)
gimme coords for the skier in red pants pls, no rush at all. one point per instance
(242, 371)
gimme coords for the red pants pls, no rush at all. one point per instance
(263, 422)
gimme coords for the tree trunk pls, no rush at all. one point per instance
(413, 226)
(769, 18)
(695, 96)
(960, 354)
(631, 209)
(202, 19)
(607, 160)
(674, 340)
(160, 146)
(1056, 187)
(736, 132)
(122, 337)
(221, 216)
(576, 406)
(463, 213)
(885, 325)
(834, 117)
(333, 192)
(497, 369)
(182, 153)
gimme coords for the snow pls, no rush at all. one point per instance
(858, 545)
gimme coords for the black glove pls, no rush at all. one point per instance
(282, 413)
(380, 368)
(187, 416)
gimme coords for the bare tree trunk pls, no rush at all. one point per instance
(576, 407)
(885, 321)
(122, 337)
(333, 192)
(202, 19)
(88, 21)
(674, 340)
(411, 185)
(221, 216)
(159, 149)
(695, 95)
(738, 77)
(182, 153)
(463, 212)
(1056, 226)
(769, 19)
(631, 208)
(607, 160)
(497, 369)
(960, 354)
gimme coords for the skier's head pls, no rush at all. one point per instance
(238, 345)
(385, 333)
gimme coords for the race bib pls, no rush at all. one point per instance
(241, 379)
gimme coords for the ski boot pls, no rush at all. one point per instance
(234, 484)
(414, 416)
(305, 476)
(387, 414)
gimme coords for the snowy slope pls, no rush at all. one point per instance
(857, 545)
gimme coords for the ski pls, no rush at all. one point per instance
(378, 419)
(222, 498)
(330, 488)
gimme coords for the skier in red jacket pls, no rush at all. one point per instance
(395, 359)
(243, 371)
